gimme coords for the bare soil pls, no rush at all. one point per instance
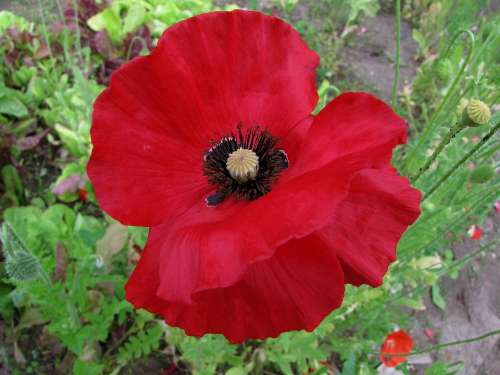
(371, 54)
(473, 300)
(472, 309)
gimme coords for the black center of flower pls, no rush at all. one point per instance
(243, 164)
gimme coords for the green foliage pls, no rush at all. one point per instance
(286, 5)
(9, 19)
(66, 264)
(11, 103)
(12, 184)
(369, 7)
(157, 14)
(482, 174)
(140, 344)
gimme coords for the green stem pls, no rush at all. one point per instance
(432, 122)
(466, 157)
(441, 272)
(445, 345)
(78, 40)
(447, 139)
(131, 45)
(395, 83)
(455, 223)
(44, 29)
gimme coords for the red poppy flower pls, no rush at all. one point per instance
(259, 212)
(83, 194)
(398, 342)
(474, 232)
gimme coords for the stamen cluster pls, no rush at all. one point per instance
(271, 161)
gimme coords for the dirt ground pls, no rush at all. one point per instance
(472, 309)
(473, 300)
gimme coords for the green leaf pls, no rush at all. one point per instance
(135, 17)
(415, 304)
(12, 183)
(8, 19)
(113, 241)
(12, 106)
(22, 266)
(69, 138)
(87, 368)
(369, 7)
(107, 20)
(437, 368)
(141, 344)
(482, 174)
(421, 41)
(349, 365)
(236, 371)
(437, 298)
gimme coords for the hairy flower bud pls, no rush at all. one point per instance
(443, 70)
(22, 266)
(476, 113)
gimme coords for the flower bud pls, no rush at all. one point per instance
(476, 113)
(22, 266)
(443, 70)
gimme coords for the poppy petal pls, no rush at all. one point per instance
(305, 285)
(398, 342)
(356, 124)
(222, 68)
(369, 223)
(141, 170)
(212, 248)
(208, 74)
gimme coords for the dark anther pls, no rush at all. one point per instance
(272, 161)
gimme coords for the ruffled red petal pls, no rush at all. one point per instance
(294, 289)
(208, 73)
(219, 244)
(369, 223)
(355, 124)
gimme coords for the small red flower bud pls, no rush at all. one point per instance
(398, 342)
(83, 195)
(475, 232)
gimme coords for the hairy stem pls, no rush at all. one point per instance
(466, 157)
(395, 83)
(445, 345)
(447, 139)
(432, 122)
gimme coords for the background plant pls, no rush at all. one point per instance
(64, 262)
